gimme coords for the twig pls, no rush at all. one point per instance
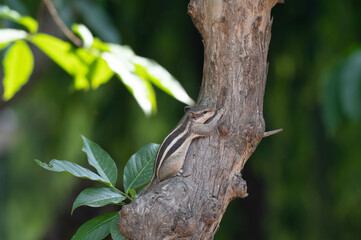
(267, 134)
(68, 33)
(39, 15)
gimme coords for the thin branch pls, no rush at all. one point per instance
(267, 134)
(39, 14)
(68, 33)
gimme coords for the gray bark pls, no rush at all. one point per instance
(236, 36)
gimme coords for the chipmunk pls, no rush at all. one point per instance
(173, 150)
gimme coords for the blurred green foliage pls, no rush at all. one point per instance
(91, 64)
(304, 183)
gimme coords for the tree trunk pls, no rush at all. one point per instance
(236, 37)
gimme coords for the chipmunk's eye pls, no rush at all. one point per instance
(204, 112)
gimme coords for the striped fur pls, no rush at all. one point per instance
(172, 152)
(175, 138)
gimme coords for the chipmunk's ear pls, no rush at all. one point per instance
(187, 108)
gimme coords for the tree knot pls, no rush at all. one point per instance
(239, 186)
(210, 210)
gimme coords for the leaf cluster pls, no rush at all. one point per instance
(137, 172)
(91, 65)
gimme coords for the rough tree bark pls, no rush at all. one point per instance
(236, 37)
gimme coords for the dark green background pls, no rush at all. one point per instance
(303, 183)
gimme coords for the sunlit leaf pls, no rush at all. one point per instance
(3, 45)
(97, 197)
(124, 54)
(101, 161)
(73, 61)
(18, 66)
(8, 35)
(84, 33)
(163, 79)
(99, 45)
(71, 168)
(139, 87)
(114, 231)
(81, 82)
(85, 56)
(28, 22)
(82, 79)
(60, 51)
(139, 168)
(96, 228)
(100, 73)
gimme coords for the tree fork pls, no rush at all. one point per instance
(236, 36)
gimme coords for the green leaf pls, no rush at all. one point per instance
(139, 168)
(114, 231)
(8, 35)
(132, 192)
(161, 78)
(88, 60)
(59, 51)
(81, 82)
(14, 16)
(100, 73)
(119, 60)
(72, 168)
(18, 66)
(84, 33)
(99, 45)
(3, 45)
(96, 228)
(101, 161)
(97, 197)
(74, 61)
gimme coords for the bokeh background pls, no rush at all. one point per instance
(304, 183)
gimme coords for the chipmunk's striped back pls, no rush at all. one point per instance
(172, 152)
(171, 143)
